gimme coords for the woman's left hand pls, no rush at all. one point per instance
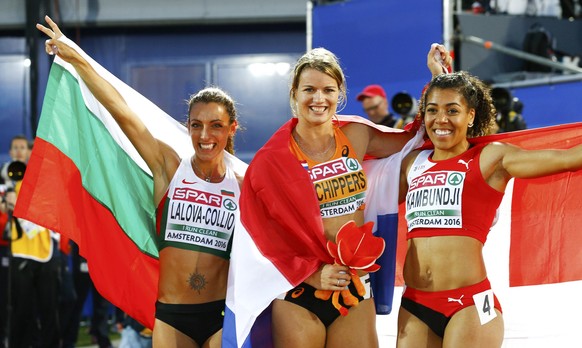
(439, 60)
(330, 277)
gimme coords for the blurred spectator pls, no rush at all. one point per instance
(133, 334)
(34, 264)
(4, 252)
(375, 104)
(19, 151)
(83, 285)
(68, 316)
(477, 6)
(549, 8)
(509, 109)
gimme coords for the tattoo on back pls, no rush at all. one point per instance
(197, 282)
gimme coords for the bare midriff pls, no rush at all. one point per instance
(443, 263)
(191, 277)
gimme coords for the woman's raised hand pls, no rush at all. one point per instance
(439, 60)
(53, 45)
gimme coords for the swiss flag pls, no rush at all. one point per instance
(533, 253)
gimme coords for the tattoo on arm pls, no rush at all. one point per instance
(197, 281)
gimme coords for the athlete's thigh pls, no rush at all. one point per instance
(413, 332)
(165, 335)
(295, 326)
(214, 341)
(357, 329)
(465, 330)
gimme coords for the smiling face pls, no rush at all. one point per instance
(316, 97)
(447, 119)
(210, 127)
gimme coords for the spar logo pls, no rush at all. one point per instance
(196, 196)
(455, 178)
(229, 204)
(436, 179)
(352, 164)
(329, 169)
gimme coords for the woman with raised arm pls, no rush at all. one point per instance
(306, 191)
(193, 252)
(451, 194)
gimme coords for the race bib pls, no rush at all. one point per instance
(340, 186)
(434, 200)
(485, 305)
(201, 219)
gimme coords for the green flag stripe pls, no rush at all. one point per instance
(108, 173)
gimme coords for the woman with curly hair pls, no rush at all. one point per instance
(451, 194)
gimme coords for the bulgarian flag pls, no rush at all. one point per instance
(86, 181)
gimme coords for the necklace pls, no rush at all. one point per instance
(207, 177)
(311, 153)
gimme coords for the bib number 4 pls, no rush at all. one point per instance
(484, 303)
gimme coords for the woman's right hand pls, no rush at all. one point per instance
(330, 277)
(54, 45)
